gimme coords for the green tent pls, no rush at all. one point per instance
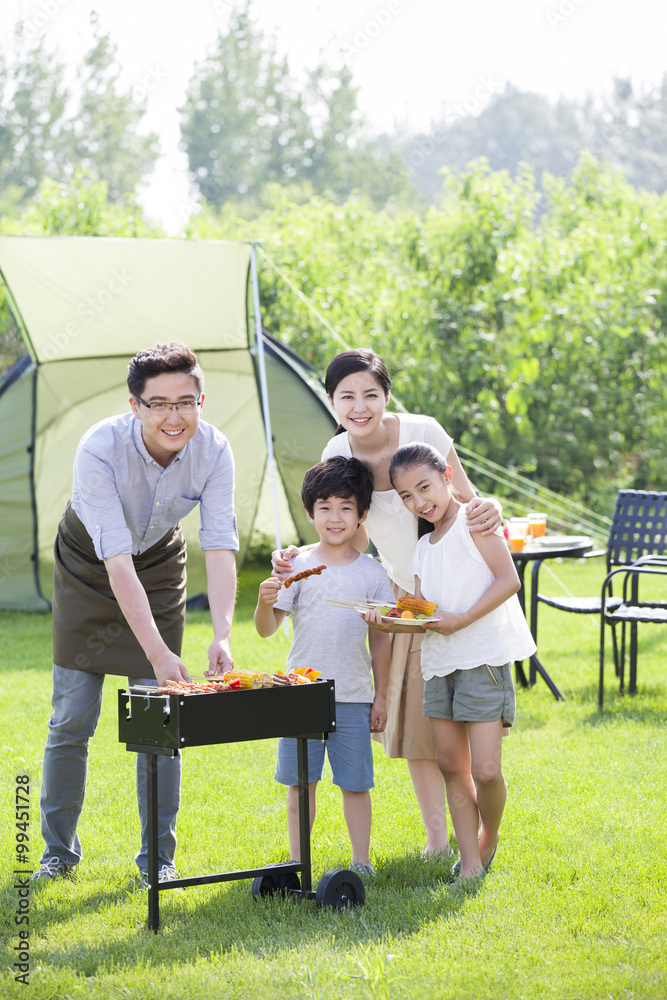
(84, 306)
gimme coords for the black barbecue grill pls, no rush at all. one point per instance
(164, 724)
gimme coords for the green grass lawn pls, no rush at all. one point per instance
(574, 906)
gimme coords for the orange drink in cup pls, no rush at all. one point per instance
(537, 525)
(518, 532)
(517, 542)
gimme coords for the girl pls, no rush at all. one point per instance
(358, 387)
(467, 653)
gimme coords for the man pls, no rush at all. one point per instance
(119, 583)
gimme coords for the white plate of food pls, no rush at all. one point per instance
(562, 541)
(398, 620)
(407, 621)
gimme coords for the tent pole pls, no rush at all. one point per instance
(264, 391)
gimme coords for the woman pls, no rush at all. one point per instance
(358, 387)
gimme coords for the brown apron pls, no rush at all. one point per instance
(90, 632)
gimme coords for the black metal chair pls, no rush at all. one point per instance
(632, 612)
(638, 531)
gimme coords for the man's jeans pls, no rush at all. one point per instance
(77, 700)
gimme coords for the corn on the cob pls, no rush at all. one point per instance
(417, 605)
(249, 678)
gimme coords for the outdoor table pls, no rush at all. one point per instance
(573, 547)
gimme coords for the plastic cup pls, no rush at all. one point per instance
(517, 542)
(517, 533)
(537, 525)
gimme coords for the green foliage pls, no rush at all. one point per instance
(509, 129)
(105, 135)
(33, 100)
(246, 123)
(79, 208)
(626, 128)
(538, 344)
(48, 130)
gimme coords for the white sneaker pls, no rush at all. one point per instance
(167, 873)
(52, 869)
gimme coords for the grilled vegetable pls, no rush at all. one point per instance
(416, 604)
(248, 678)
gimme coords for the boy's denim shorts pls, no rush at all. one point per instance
(348, 749)
(481, 694)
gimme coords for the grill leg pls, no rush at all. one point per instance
(151, 803)
(304, 813)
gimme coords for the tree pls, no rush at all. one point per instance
(626, 128)
(33, 101)
(246, 123)
(512, 128)
(104, 135)
(241, 116)
(48, 131)
(629, 130)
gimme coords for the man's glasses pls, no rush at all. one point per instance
(157, 406)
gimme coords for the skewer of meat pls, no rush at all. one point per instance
(303, 575)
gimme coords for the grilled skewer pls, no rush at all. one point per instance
(303, 575)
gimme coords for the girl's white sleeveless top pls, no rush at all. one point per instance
(453, 573)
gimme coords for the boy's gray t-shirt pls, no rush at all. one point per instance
(331, 639)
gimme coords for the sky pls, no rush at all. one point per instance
(414, 60)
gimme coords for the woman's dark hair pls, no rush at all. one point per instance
(417, 454)
(161, 359)
(361, 360)
(346, 478)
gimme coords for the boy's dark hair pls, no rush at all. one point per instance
(345, 478)
(161, 359)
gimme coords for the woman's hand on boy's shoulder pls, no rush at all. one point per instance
(269, 590)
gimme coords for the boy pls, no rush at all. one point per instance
(336, 495)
